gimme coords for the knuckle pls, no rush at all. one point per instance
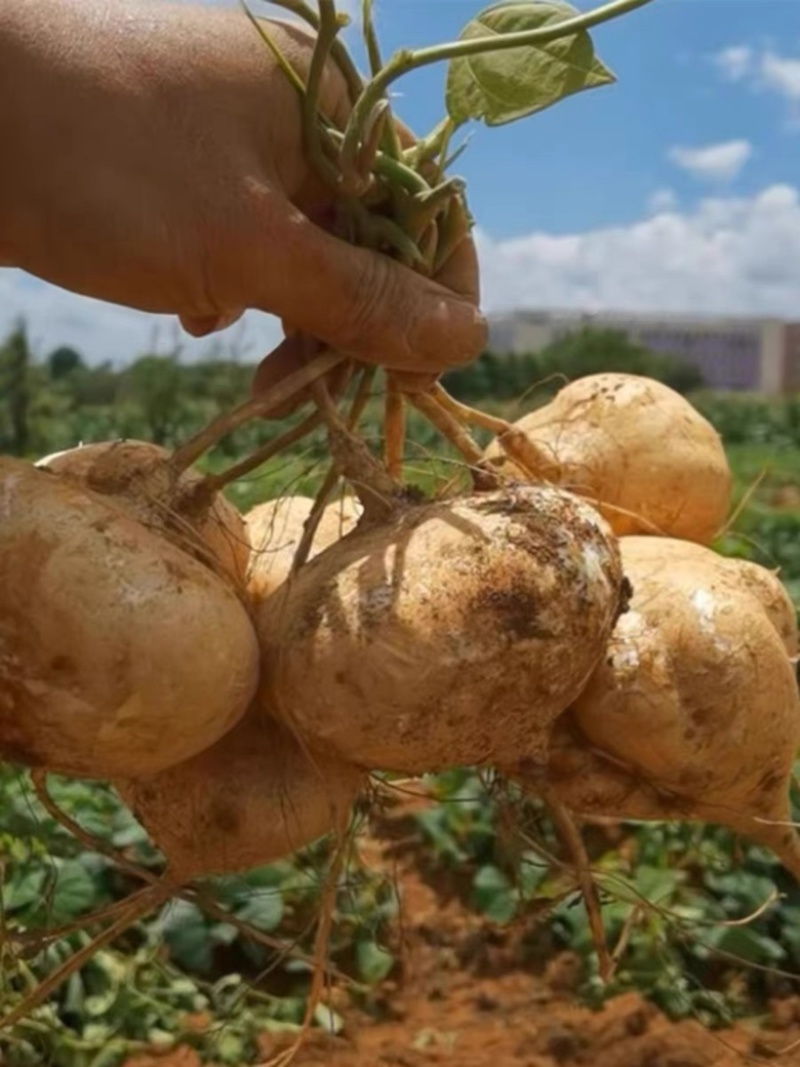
(378, 300)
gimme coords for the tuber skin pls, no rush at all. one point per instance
(119, 653)
(694, 711)
(136, 475)
(651, 554)
(635, 447)
(452, 635)
(252, 798)
(274, 530)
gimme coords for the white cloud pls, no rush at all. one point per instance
(662, 200)
(782, 75)
(766, 70)
(735, 62)
(728, 255)
(738, 255)
(107, 332)
(714, 162)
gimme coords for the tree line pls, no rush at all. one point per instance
(57, 401)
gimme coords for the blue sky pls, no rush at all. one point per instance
(677, 188)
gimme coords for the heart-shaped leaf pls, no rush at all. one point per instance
(263, 911)
(502, 85)
(374, 962)
(75, 892)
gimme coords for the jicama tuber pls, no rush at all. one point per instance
(137, 476)
(255, 796)
(275, 528)
(694, 711)
(765, 585)
(447, 636)
(119, 653)
(638, 450)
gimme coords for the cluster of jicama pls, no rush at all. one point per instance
(149, 644)
(575, 633)
(693, 711)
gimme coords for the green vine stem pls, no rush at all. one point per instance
(355, 83)
(329, 26)
(391, 141)
(406, 60)
(371, 38)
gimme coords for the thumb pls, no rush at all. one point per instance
(362, 302)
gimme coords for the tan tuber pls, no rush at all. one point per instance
(649, 461)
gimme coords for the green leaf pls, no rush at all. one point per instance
(263, 911)
(100, 1003)
(161, 1040)
(230, 1047)
(223, 933)
(374, 962)
(73, 1003)
(512, 83)
(745, 944)
(186, 933)
(95, 822)
(131, 833)
(97, 1032)
(23, 889)
(74, 893)
(654, 884)
(494, 896)
(328, 1019)
(114, 1054)
(532, 873)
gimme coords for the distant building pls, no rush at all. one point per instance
(760, 355)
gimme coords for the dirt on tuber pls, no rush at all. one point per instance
(451, 635)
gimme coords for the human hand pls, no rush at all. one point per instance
(153, 158)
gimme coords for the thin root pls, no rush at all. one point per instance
(394, 428)
(377, 491)
(139, 905)
(215, 482)
(37, 940)
(321, 942)
(516, 444)
(311, 525)
(568, 831)
(193, 894)
(452, 431)
(188, 454)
